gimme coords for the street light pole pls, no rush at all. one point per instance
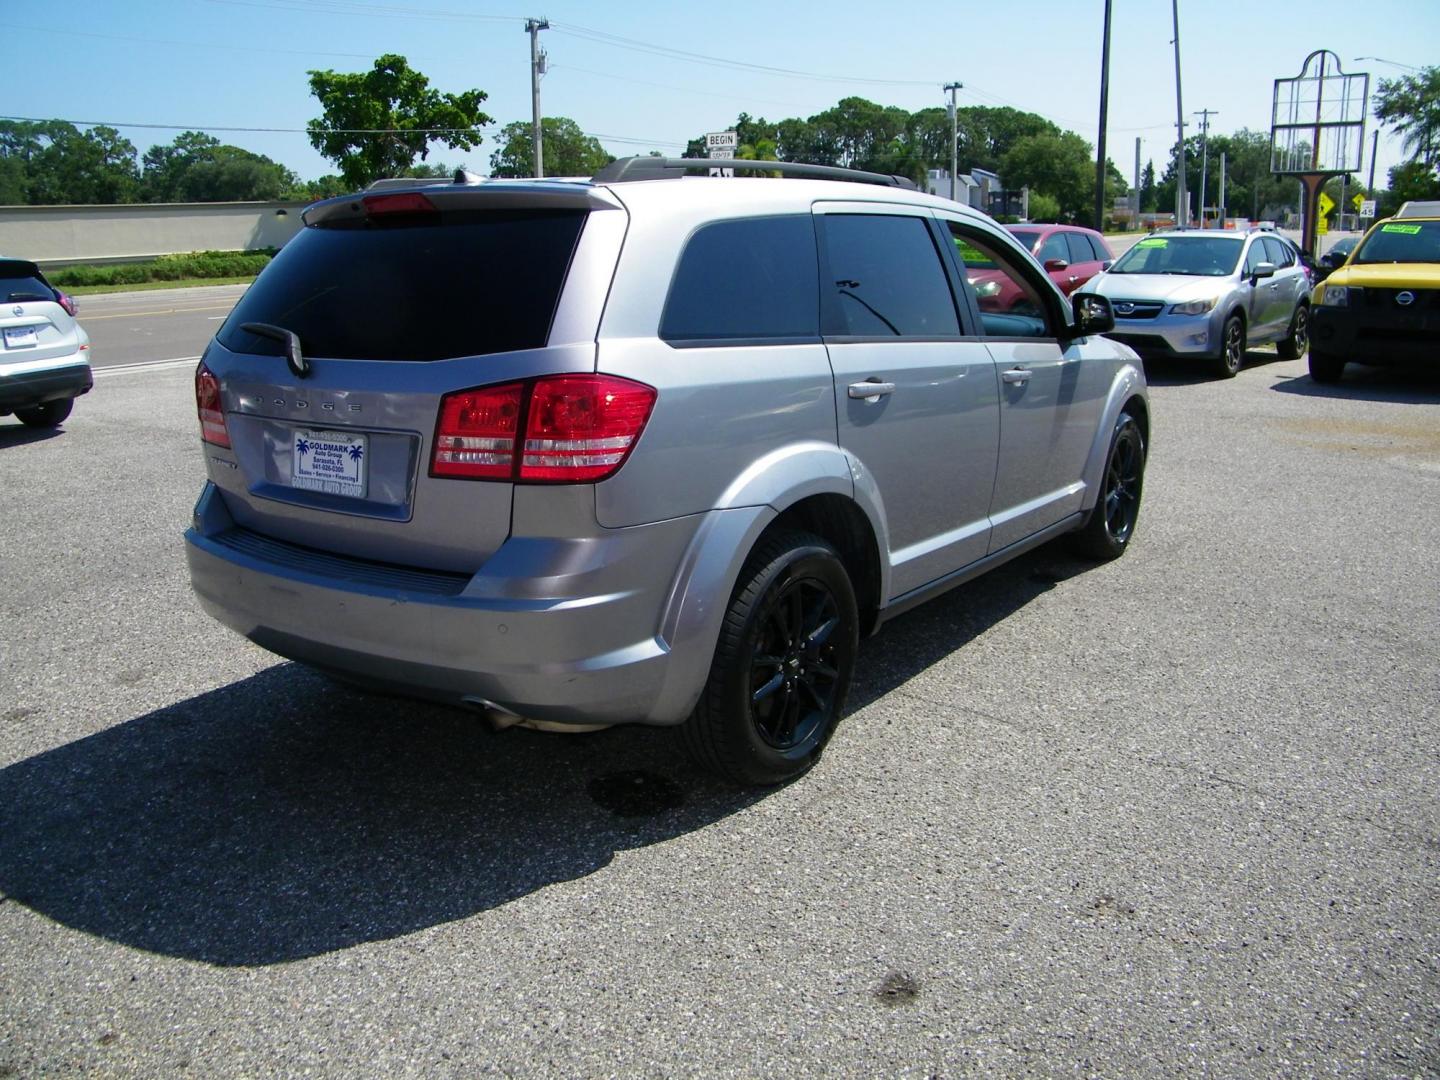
(537, 68)
(954, 137)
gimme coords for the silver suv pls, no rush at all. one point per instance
(1209, 295)
(649, 448)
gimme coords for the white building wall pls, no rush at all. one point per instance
(55, 235)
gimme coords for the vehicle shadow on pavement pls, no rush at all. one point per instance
(285, 816)
(919, 638)
(1397, 385)
(1167, 372)
(19, 435)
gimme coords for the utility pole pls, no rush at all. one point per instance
(1222, 190)
(1182, 198)
(1104, 109)
(1204, 115)
(1135, 224)
(954, 137)
(537, 68)
(1374, 141)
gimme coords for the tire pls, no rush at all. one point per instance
(1325, 367)
(782, 666)
(1232, 348)
(1293, 347)
(1108, 530)
(49, 415)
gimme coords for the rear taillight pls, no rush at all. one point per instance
(65, 302)
(577, 429)
(208, 404)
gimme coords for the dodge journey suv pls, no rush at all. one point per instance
(652, 448)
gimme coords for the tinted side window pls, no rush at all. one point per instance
(418, 287)
(887, 278)
(1054, 247)
(1102, 253)
(1080, 249)
(750, 278)
(1279, 252)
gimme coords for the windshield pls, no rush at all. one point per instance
(1027, 238)
(1401, 242)
(1205, 256)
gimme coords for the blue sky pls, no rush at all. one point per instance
(210, 64)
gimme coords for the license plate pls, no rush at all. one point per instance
(18, 337)
(334, 462)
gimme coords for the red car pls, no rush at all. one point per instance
(1071, 255)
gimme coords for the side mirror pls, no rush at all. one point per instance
(1264, 270)
(1055, 265)
(1092, 314)
(1103, 266)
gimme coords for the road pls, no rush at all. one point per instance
(154, 327)
(1170, 815)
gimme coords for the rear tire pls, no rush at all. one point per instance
(1232, 348)
(782, 666)
(1293, 347)
(1325, 367)
(1106, 534)
(49, 415)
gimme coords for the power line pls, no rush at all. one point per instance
(214, 127)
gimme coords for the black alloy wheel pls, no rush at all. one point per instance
(49, 415)
(1111, 525)
(782, 666)
(793, 673)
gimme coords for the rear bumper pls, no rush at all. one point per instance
(70, 378)
(1372, 338)
(560, 630)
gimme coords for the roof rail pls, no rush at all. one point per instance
(407, 182)
(629, 169)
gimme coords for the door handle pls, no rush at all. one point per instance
(870, 391)
(1015, 376)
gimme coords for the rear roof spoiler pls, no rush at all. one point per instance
(626, 170)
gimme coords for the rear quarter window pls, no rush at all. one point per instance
(753, 279)
(414, 287)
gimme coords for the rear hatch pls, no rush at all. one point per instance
(34, 328)
(396, 299)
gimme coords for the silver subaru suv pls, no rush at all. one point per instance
(653, 447)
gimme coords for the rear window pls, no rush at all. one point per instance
(751, 279)
(413, 287)
(21, 281)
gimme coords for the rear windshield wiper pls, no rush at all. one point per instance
(291, 340)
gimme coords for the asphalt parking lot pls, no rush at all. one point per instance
(1174, 814)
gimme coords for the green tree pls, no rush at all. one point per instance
(1044, 207)
(199, 168)
(567, 151)
(1410, 180)
(1056, 165)
(377, 122)
(1411, 105)
(94, 166)
(1147, 189)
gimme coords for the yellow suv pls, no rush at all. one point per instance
(1383, 305)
